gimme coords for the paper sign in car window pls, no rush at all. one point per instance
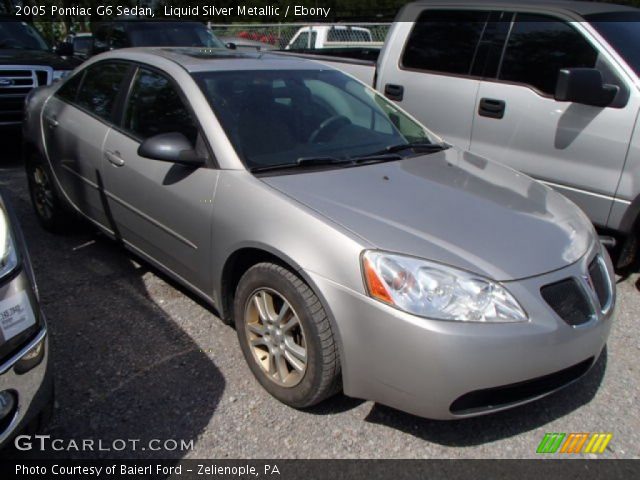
(16, 315)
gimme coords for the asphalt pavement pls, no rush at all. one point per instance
(136, 357)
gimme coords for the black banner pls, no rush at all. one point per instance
(544, 469)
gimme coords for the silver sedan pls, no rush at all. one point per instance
(352, 248)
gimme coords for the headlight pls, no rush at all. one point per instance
(8, 255)
(435, 291)
(60, 74)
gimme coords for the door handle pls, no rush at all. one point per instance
(114, 158)
(52, 122)
(393, 92)
(492, 108)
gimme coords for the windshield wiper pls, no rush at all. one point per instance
(375, 158)
(421, 147)
(303, 162)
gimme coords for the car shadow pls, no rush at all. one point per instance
(124, 369)
(484, 429)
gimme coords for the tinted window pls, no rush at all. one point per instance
(304, 41)
(539, 47)
(622, 31)
(20, 35)
(100, 88)
(444, 41)
(69, 90)
(155, 107)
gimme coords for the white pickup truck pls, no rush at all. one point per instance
(551, 89)
(315, 37)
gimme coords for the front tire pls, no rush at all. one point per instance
(47, 204)
(286, 336)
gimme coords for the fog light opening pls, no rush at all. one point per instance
(31, 359)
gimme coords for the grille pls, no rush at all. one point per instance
(569, 301)
(15, 83)
(600, 282)
(496, 397)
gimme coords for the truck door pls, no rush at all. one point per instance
(433, 73)
(578, 149)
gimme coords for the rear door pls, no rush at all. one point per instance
(161, 209)
(76, 121)
(435, 78)
(578, 149)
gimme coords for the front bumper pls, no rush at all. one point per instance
(423, 366)
(33, 389)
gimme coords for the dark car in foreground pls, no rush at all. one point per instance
(351, 246)
(26, 384)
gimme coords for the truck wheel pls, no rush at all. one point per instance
(49, 207)
(285, 336)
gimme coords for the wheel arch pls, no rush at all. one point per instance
(246, 256)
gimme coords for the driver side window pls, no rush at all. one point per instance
(155, 107)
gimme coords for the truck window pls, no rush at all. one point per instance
(622, 31)
(303, 40)
(538, 47)
(444, 41)
(348, 35)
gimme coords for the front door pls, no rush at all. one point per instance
(161, 209)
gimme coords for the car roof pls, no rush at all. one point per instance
(198, 59)
(579, 8)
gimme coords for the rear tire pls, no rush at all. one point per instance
(286, 336)
(48, 205)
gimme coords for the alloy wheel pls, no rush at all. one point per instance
(276, 337)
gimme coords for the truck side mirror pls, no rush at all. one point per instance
(586, 86)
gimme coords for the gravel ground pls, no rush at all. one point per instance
(137, 357)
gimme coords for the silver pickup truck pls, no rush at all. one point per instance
(549, 88)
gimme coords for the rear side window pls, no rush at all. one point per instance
(444, 41)
(155, 107)
(100, 88)
(539, 47)
(69, 90)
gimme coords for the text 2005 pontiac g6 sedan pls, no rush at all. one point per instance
(352, 248)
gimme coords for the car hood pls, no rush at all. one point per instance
(451, 207)
(13, 56)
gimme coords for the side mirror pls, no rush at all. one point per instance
(586, 86)
(65, 49)
(170, 147)
(231, 45)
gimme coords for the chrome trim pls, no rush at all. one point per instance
(16, 358)
(606, 308)
(585, 192)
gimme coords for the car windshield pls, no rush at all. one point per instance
(20, 35)
(280, 117)
(162, 34)
(622, 31)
